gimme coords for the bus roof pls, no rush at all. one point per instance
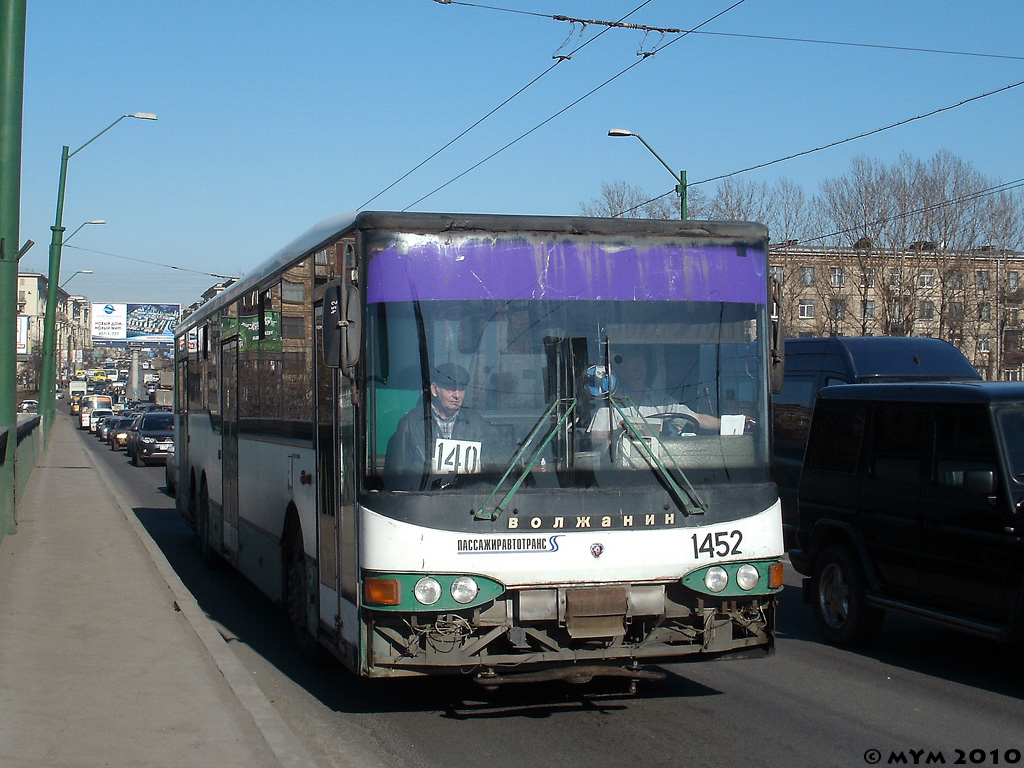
(330, 229)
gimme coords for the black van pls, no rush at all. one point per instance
(911, 499)
(813, 363)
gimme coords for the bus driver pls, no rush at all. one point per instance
(633, 373)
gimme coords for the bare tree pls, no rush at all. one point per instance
(620, 199)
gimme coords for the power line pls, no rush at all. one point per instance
(862, 135)
(830, 145)
(558, 60)
(154, 263)
(565, 109)
(876, 46)
(672, 30)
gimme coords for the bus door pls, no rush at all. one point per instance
(229, 444)
(336, 478)
(181, 433)
(327, 485)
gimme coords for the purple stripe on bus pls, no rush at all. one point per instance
(565, 271)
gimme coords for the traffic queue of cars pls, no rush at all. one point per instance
(146, 433)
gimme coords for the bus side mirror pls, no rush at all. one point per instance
(778, 357)
(342, 315)
(778, 342)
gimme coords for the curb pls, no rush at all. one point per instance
(280, 738)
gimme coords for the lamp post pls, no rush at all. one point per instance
(680, 179)
(79, 272)
(47, 394)
(83, 224)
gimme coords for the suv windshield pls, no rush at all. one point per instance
(566, 394)
(158, 421)
(1011, 428)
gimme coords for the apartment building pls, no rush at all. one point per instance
(73, 332)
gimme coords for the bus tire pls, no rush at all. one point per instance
(840, 599)
(296, 600)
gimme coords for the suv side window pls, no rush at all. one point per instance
(837, 433)
(963, 442)
(900, 442)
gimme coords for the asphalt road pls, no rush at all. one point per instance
(919, 695)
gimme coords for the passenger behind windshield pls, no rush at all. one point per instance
(439, 439)
(636, 399)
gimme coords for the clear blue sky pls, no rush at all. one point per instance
(274, 116)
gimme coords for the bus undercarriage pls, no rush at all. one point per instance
(571, 633)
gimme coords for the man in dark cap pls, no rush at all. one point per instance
(438, 440)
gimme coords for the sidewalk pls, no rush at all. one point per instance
(105, 658)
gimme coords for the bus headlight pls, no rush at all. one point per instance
(716, 579)
(464, 589)
(747, 577)
(427, 590)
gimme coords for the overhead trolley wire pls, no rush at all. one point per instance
(779, 38)
(558, 59)
(833, 144)
(155, 263)
(589, 93)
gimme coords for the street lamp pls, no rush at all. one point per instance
(680, 179)
(79, 272)
(47, 386)
(84, 223)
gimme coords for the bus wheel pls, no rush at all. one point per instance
(840, 599)
(296, 599)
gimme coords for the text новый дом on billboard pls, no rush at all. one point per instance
(136, 324)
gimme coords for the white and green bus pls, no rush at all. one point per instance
(414, 431)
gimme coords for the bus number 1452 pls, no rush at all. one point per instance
(717, 544)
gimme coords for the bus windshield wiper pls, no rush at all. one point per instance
(482, 513)
(690, 500)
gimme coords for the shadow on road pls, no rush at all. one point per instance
(918, 646)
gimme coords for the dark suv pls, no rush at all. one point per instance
(911, 499)
(151, 438)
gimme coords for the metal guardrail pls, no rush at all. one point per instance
(29, 443)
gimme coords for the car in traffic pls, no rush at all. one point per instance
(96, 415)
(811, 364)
(117, 434)
(911, 501)
(152, 438)
(28, 406)
(103, 425)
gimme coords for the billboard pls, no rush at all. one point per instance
(22, 338)
(136, 325)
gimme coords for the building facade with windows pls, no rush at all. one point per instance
(73, 332)
(972, 299)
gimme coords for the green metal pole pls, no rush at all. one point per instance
(12, 97)
(680, 179)
(48, 384)
(47, 378)
(682, 195)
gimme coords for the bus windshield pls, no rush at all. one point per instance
(564, 394)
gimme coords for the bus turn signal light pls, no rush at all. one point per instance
(775, 575)
(377, 591)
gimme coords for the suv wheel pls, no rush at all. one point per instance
(840, 604)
